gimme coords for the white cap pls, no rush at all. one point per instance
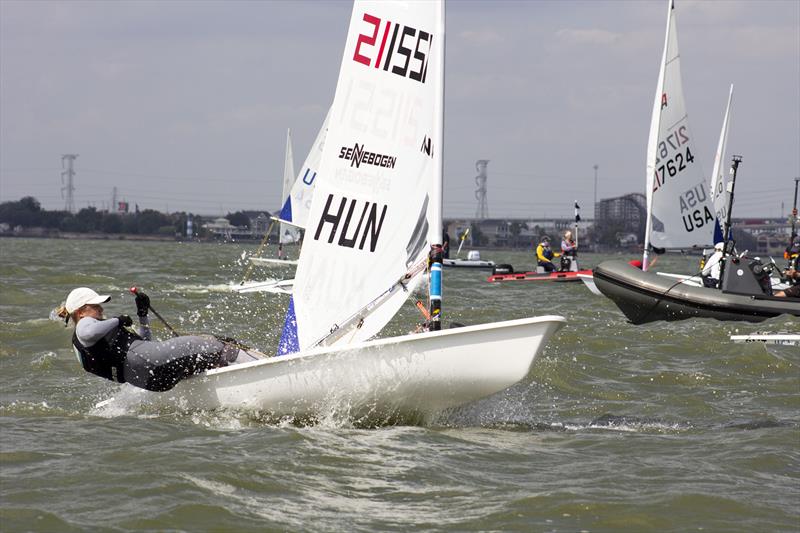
(84, 296)
(719, 246)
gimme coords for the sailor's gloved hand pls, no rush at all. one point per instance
(142, 304)
(125, 321)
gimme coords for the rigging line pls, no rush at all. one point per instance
(356, 320)
(258, 253)
(661, 296)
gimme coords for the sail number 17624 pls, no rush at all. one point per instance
(677, 146)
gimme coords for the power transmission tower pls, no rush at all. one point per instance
(69, 188)
(480, 193)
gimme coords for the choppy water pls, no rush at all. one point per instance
(665, 427)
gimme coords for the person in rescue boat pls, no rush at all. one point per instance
(712, 267)
(568, 246)
(569, 251)
(107, 348)
(794, 291)
(545, 255)
(792, 253)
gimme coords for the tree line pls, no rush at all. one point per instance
(28, 213)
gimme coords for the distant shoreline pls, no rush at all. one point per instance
(44, 234)
(32, 234)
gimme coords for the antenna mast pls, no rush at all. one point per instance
(480, 193)
(69, 188)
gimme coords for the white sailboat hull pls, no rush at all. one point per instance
(283, 286)
(786, 339)
(413, 375)
(269, 261)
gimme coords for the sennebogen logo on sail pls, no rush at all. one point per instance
(357, 155)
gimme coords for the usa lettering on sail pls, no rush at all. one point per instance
(407, 52)
(694, 210)
(368, 227)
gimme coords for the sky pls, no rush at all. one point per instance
(184, 105)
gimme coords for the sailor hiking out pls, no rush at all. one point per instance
(108, 348)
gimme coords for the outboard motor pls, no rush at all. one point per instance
(503, 269)
(745, 276)
(569, 263)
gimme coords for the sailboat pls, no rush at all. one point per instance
(681, 214)
(297, 194)
(287, 233)
(373, 233)
(298, 190)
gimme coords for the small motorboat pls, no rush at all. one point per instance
(473, 260)
(569, 272)
(745, 293)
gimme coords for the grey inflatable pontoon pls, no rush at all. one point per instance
(647, 297)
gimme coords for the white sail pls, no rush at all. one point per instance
(297, 203)
(719, 186)
(680, 213)
(369, 221)
(288, 234)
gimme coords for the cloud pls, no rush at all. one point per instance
(481, 37)
(587, 37)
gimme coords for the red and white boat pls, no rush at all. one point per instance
(571, 273)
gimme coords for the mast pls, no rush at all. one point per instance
(726, 237)
(435, 206)
(794, 212)
(655, 125)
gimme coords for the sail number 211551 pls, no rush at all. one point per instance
(407, 52)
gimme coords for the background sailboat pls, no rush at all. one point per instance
(679, 210)
(297, 194)
(371, 222)
(287, 233)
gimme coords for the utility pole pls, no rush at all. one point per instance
(595, 192)
(113, 201)
(69, 187)
(482, 212)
